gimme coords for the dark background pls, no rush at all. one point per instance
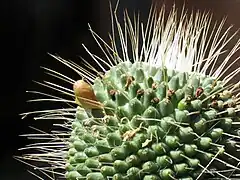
(32, 28)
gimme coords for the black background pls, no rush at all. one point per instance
(30, 29)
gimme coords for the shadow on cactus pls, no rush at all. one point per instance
(164, 108)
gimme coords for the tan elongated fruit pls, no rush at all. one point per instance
(85, 96)
(166, 106)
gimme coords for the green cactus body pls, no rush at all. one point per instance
(156, 119)
(188, 130)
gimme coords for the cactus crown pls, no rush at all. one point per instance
(163, 108)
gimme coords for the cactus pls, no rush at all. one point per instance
(163, 109)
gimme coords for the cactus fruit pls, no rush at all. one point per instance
(160, 110)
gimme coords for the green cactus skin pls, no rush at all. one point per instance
(162, 116)
(184, 137)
